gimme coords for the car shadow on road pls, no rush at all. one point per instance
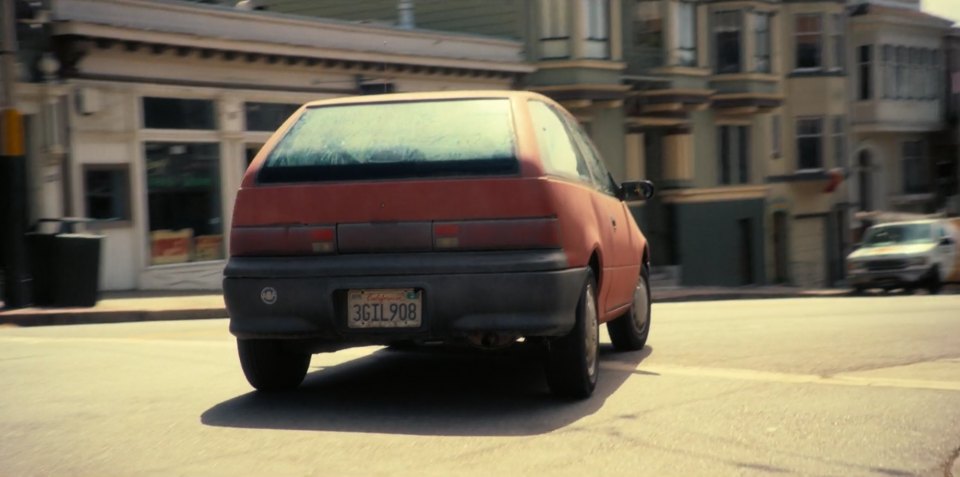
(434, 392)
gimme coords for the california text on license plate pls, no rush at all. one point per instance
(384, 308)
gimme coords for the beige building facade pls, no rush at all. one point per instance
(144, 115)
(899, 105)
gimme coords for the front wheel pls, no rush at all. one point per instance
(629, 332)
(269, 366)
(934, 285)
(573, 361)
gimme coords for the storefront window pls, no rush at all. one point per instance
(176, 113)
(107, 192)
(183, 186)
(267, 116)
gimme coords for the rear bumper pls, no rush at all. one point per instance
(527, 293)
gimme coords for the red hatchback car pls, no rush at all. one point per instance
(459, 217)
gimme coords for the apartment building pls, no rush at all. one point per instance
(904, 157)
(145, 114)
(746, 113)
(737, 109)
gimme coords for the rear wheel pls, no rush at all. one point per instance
(629, 332)
(573, 361)
(269, 366)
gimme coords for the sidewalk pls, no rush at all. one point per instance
(122, 307)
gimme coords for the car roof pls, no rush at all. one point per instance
(426, 96)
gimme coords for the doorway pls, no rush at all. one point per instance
(865, 179)
(745, 239)
(780, 247)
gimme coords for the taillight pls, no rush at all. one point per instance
(509, 234)
(282, 240)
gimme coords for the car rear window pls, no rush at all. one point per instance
(396, 140)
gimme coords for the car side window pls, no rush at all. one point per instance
(598, 171)
(557, 149)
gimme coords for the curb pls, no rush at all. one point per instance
(48, 318)
(740, 296)
(84, 316)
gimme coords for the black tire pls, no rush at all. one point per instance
(934, 285)
(858, 291)
(268, 366)
(573, 361)
(629, 332)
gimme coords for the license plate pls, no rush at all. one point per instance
(384, 308)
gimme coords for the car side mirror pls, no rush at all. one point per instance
(637, 190)
(946, 241)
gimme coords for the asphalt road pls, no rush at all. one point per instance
(835, 386)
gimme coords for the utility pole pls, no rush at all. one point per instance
(13, 178)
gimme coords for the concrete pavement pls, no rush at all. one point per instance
(121, 307)
(839, 386)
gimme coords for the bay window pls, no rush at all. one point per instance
(686, 30)
(809, 28)
(726, 32)
(809, 143)
(554, 29)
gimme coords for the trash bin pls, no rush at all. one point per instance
(65, 264)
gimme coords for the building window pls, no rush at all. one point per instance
(865, 179)
(913, 73)
(727, 39)
(889, 75)
(865, 90)
(267, 116)
(809, 143)
(839, 141)
(554, 29)
(776, 135)
(936, 77)
(809, 28)
(761, 58)
(899, 80)
(176, 113)
(686, 28)
(648, 24)
(596, 28)
(183, 197)
(734, 154)
(837, 42)
(107, 191)
(916, 177)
